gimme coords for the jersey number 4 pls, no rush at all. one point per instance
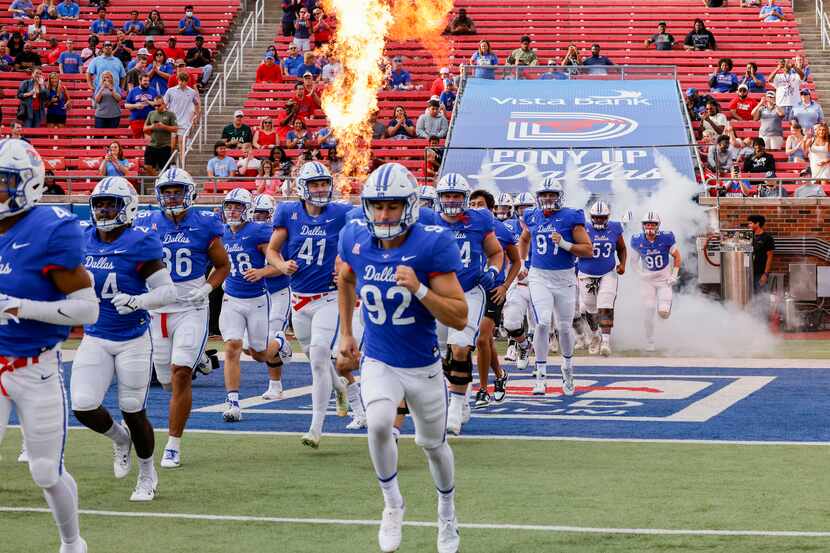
(372, 298)
(180, 264)
(110, 287)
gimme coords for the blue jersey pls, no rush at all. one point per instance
(604, 258)
(546, 253)
(470, 230)
(184, 244)
(244, 254)
(115, 268)
(398, 329)
(506, 238)
(275, 283)
(426, 216)
(311, 243)
(44, 239)
(655, 254)
(513, 226)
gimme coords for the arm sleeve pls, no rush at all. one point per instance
(79, 308)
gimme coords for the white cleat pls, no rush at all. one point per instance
(24, 455)
(342, 397)
(145, 489)
(391, 526)
(448, 536)
(466, 413)
(593, 347)
(453, 422)
(232, 412)
(357, 423)
(539, 386)
(650, 347)
(122, 461)
(510, 353)
(310, 439)
(272, 394)
(78, 547)
(567, 380)
(172, 459)
(523, 357)
(605, 349)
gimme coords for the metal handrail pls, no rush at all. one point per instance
(823, 23)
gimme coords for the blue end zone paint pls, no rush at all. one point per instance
(627, 403)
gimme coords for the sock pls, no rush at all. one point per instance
(541, 343)
(541, 370)
(606, 338)
(233, 397)
(568, 361)
(275, 385)
(117, 434)
(145, 466)
(392, 497)
(354, 400)
(383, 451)
(446, 504)
(442, 467)
(566, 340)
(173, 443)
(63, 501)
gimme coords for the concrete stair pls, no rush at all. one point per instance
(818, 59)
(237, 89)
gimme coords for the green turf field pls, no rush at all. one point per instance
(583, 484)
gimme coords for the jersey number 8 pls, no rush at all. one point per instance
(372, 298)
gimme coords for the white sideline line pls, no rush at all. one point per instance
(424, 524)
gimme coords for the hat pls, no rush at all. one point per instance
(308, 74)
(433, 102)
(444, 70)
(398, 59)
(107, 43)
(691, 91)
(805, 91)
(269, 56)
(770, 94)
(143, 52)
(743, 85)
(238, 113)
(171, 38)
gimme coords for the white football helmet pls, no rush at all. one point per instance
(122, 195)
(171, 202)
(22, 174)
(264, 206)
(314, 171)
(599, 212)
(550, 184)
(651, 217)
(504, 206)
(238, 196)
(427, 196)
(390, 181)
(453, 183)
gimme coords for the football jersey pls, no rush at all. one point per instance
(114, 267)
(546, 253)
(185, 248)
(426, 215)
(604, 242)
(274, 283)
(656, 254)
(470, 230)
(513, 226)
(244, 254)
(506, 238)
(45, 238)
(311, 243)
(398, 329)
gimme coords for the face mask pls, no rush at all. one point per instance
(189, 14)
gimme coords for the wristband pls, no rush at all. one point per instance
(565, 245)
(422, 291)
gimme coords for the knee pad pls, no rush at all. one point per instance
(517, 332)
(459, 372)
(403, 410)
(131, 404)
(606, 318)
(45, 472)
(84, 402)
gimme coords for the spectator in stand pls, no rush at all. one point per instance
(761, 161)
(800, 68)
(524, 54)
(302, 30)
(189, 25)
(47, 10)
(572, 59)
(595, 59)
(399, 78)
(786, 79)
(292, 61)
(447, 98)
(378, 128)
(299, 137)
(54, 52)
(27, 59)
(90, 52)
(178, 68)
(713, 121)
(282, 163)
(714, 3)
(68, 9)
(432, 123)
(37, 30)
(289, 15)
(138, 69)
(723, 80)
(662, 40)
(105, 62)
(237, 133)
(309, 66)
(438, 85)
(171, 51)
(161, 126)
(114, 164)
(124, 48)
(22, 9)
(267, 181)
(433, 155)
(794, 146)
(140, 101)
(57, 102)
(808, 113)
(771, 13)
(6, 61)
(268, 71)
(285, 118)
(817, 148)
(331, 70)
(400, 127)
(755, 81)
(102, 25)
(220, 165)
(247, 165)
(741, 106)
(772, 118)
(265, 136)
(696, 102)
(133, 26)
(699, 38)
(107, 102)
(160, 72)
(484, 59)
(321, 27)
(32, 95)
(307, 100)
(153, 25)
(722, 156)
(555, 72)
(461, 24)
(184, 102)
(15, 44)
(200, 58)
(324, 139)
(16, 131)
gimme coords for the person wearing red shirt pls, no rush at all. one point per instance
(54, 52)
(171, 51)
(437, 86)
(306, 101)
(742, 105)
(268, 71)
(321, 27)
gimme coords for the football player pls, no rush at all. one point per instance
(44, 291)
(557, 237)
(191, 239)
(517, 314)
(405, 275)
(659, 263)
(427, 196)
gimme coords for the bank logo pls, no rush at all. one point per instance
(567, 126)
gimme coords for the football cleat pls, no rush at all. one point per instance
(24, 455)
(522, 359)
(391, 526)
(171, 459)
(145, 489)
(342, 398)
(567, 380)
(650, 346)
(208, 362)
(482, 399)
(79, 546)
(510, 353)
(122, 461)
(500, 387)
(357, 423)
(273, 392)
(448, 535)
(232, 412)
(285, 351)
(593, 347)
(453, 422)
(605, 348)
(396, 433)
(311, 440)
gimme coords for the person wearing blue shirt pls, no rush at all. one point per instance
(220, 165)
(22, 9)
(103, 63)
(308, 66)
(130, 277)
(655, 253)
(102, 25)
(557, 237)
(808, 113)
(595, 59)
(771, 13)
(484, 60)
(555, 72)
(405, 274)
(723, 80)
(133, 26)
(447, 98)
(68, 10)
(69, 62)
(754, 81)
(399, 77)
(189, 25)
(292, 61)
(44, 291)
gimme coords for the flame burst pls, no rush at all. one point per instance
(363, 28)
